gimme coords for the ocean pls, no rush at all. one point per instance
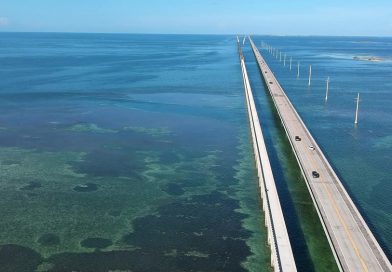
(132, 152)
(360, 154)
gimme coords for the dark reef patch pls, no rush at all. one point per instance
(49, 239)
(98, 243)
(84, 188)
(31, 186)
(9, 162)
(202, 233)
(173, 189)
(207, 224)
(114, 213)
(169, 156)
(14, 258)
(99, 261)
(190, 182)
(110, 163)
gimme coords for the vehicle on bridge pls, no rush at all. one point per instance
(315, 174)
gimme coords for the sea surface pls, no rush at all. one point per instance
(133, 153)
(361, 154)
(126, 152)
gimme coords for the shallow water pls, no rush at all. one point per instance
(133, 151)
(126, 152)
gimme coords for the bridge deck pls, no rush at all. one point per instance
(352, 242)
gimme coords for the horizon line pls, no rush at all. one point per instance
(198, 34)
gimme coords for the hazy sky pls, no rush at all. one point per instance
(280, 17)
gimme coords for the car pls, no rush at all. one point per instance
(297, 138)
(311, 147)
(271, 82)
(315, 174)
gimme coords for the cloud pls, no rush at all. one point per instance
(4, 21)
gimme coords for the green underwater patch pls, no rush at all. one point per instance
(247, 192)
(50, 208)
(383, 142)
(154, 132)
(88, 127)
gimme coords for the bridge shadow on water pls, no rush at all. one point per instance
(297, 238)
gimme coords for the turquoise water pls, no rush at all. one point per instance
(360, 154)
(126, 152)
(132, 152)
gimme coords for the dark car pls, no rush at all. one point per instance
(271, 82)
(297, 138)
(315, 174)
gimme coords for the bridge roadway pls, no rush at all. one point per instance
(282, 258)
(353, 244)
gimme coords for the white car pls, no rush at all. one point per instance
(311, 147)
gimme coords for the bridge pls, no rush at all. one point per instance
(353, 244)
(282, 258)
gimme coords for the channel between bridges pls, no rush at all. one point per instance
(353, 244)
(282, 258)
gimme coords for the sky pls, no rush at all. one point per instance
(275, 17)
